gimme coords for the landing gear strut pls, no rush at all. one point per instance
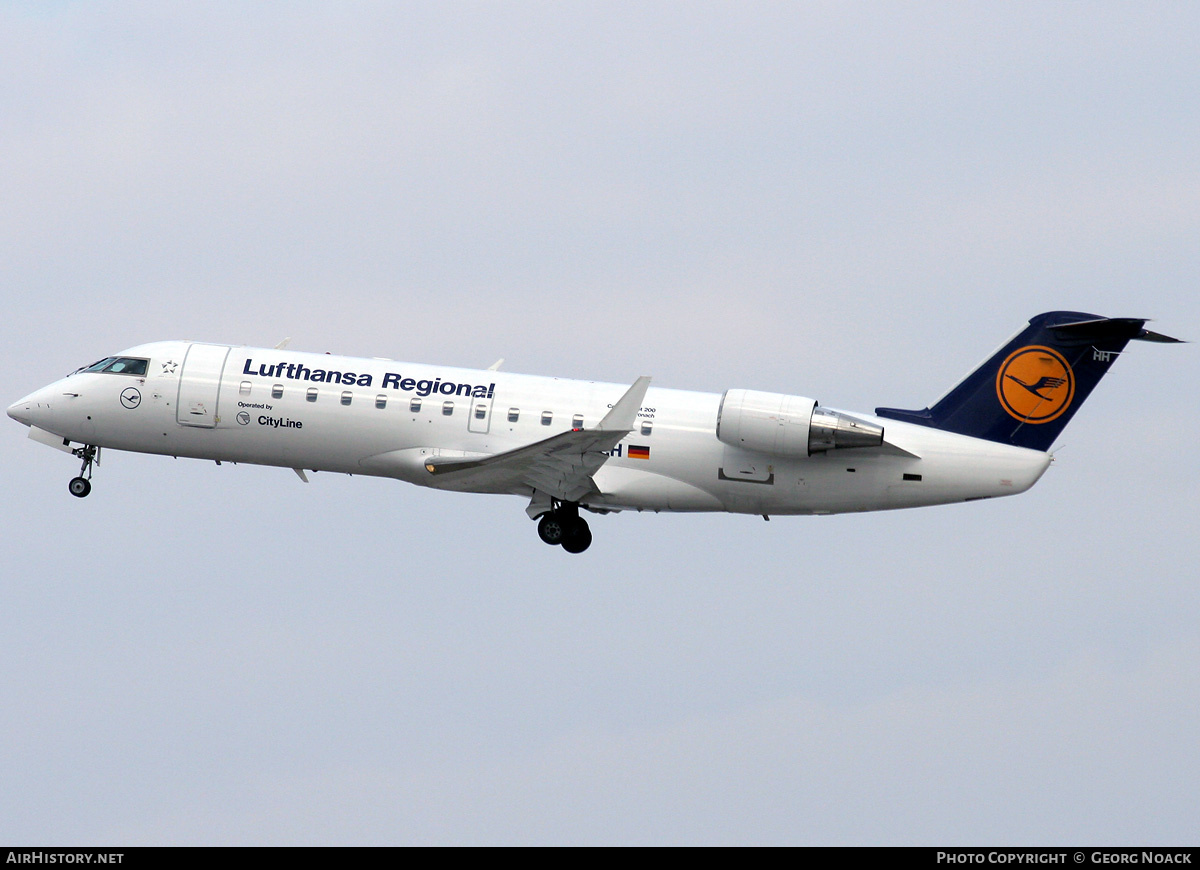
(81, 486)
(563, 526)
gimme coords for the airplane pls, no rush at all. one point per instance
(569, 445)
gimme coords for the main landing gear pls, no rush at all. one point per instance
(563, 526)
(81, 486)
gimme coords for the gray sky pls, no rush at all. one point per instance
(850, 202)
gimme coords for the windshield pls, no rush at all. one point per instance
(118, 365)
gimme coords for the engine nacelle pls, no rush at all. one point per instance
(789, 425)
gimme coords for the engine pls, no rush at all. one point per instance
(789, 425)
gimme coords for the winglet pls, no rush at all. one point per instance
(623, 416)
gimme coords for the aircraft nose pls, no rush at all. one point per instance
(31, 410)
(19, 411)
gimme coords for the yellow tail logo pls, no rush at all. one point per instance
(1035, 384)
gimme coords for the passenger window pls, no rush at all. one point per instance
(381, 400)
(447, 408)
(311, 395)
(414, 405)
(577, 421)
(480, 412)
(514, 414)
(647, 426)
(277, 391)
(244, 388)
(347, 397)
(547, 418)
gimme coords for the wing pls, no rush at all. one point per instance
(560, 466)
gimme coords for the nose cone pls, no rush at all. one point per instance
(19, 411)
(33, 410)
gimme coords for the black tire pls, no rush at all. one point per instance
(552, 529)
(79, 487)
(579, 539)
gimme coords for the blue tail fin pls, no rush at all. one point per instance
(1029, 390)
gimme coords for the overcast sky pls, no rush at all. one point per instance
(854, 202)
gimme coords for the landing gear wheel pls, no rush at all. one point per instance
(552, 529)
(563, 525)
(579, 539)
(81, 486)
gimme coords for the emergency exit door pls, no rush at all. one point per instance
(200, 385)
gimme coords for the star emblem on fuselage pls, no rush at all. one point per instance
(169, 367)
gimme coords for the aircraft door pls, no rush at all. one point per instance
(480, 418)
(738, 464)
(200, 385)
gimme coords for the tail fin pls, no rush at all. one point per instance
(1029, 390)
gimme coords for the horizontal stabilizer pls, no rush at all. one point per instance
(1108, 328)
(1147, 335)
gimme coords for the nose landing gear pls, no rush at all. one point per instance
(80, 486)
(563, 526)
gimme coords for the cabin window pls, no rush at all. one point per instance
(447, 408)
(547, 418)
(480, 412)
(577, 421)
(514, 414)
(311, 395)
(647, 427)
(277, 391)
(381, 401)
(414, 405)
(347, 397)
(244, 388)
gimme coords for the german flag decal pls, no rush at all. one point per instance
(636, 452)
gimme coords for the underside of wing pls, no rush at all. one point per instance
(560, 466)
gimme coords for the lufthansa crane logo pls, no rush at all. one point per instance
(130, 397)
(1035, 384)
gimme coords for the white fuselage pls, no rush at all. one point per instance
(361, 416)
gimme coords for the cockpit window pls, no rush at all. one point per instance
(127, 365)
(119, 365)
(98, 366)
